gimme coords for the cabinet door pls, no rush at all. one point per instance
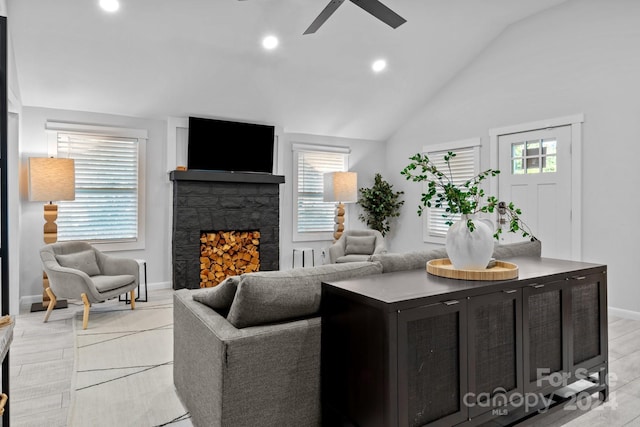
(588, 320)
(495, 350)
(432, 364)
(545, 339)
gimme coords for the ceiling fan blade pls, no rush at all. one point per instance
(381, 12)
(324, 15)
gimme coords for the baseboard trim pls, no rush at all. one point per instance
(159, 285)
(626, 314)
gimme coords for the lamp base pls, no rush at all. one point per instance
(38, 306)
(339, 227)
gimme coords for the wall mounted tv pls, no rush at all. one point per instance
(221, 145)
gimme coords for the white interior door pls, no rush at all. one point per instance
(535, 174)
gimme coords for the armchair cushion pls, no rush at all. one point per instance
(360, 245)
(109, 283)
(353, 258)
(273, 296)
(221, 296)
(84, 261)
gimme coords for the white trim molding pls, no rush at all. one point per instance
(626, 314)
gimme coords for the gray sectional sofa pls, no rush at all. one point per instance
(247, 352)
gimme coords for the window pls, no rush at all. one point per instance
(464, 166)
(109, 204)
(314, 219)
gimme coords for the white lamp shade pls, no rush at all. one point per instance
(51, 179)
(340, 187)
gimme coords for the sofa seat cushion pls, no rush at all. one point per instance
(84, 261)
(109, 283)
(221, 296)
(273, 296)
(360, 245)
(352, 258)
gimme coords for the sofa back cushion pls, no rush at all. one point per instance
(273, 296)
(221, 296)
(360, 245)
(84, 261)
(408, 260)
(533, 249)
(418, 259)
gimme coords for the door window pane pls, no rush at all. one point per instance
(535, 156)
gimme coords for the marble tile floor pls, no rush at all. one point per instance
(42, 361)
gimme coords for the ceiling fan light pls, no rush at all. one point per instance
(379, 65)
(270, 42)
(110, 5)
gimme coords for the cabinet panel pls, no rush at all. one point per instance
(544, 338)
(432, 361)
(589, 320)
(495, 349)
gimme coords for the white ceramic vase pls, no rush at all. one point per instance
(470, 250)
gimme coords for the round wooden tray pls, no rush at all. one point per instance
(501, 271)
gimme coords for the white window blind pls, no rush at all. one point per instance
(464, 166)
(311, 214)
(106, 205)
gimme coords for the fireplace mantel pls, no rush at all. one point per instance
(216, 176)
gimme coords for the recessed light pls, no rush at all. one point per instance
(270, 42)
(378, 65)
(110, 5)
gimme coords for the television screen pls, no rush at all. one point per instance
(222, 145)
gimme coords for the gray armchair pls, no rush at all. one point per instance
(357, 245)
(76, 270)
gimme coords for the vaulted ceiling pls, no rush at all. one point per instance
(159, 58)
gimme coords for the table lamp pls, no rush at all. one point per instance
(50, 179)
(341, 187)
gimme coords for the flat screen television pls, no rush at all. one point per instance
(221, 145)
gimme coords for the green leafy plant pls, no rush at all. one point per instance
(380, 203)
(467, 198)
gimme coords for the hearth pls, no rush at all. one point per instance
(222, 201)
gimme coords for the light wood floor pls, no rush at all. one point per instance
(42, 357)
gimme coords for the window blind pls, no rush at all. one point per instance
(106, 203)
(464, 166)
(315, 215)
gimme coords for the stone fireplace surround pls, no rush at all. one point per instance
(222, 201)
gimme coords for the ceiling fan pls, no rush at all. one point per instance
(374, 7)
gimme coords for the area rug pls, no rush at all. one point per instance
(123, 367)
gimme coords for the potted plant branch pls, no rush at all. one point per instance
(379, 203)
(469, 234)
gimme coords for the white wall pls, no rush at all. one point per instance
(580, 57)
(366, 158)
(33, 142)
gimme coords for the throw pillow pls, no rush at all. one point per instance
(273, 296)
(84, 261)
(360, 245)
(221, 296)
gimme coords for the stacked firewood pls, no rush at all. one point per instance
(227, 253)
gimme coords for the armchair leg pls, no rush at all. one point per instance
(52, 304)
(133, 299)
(87, 306)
